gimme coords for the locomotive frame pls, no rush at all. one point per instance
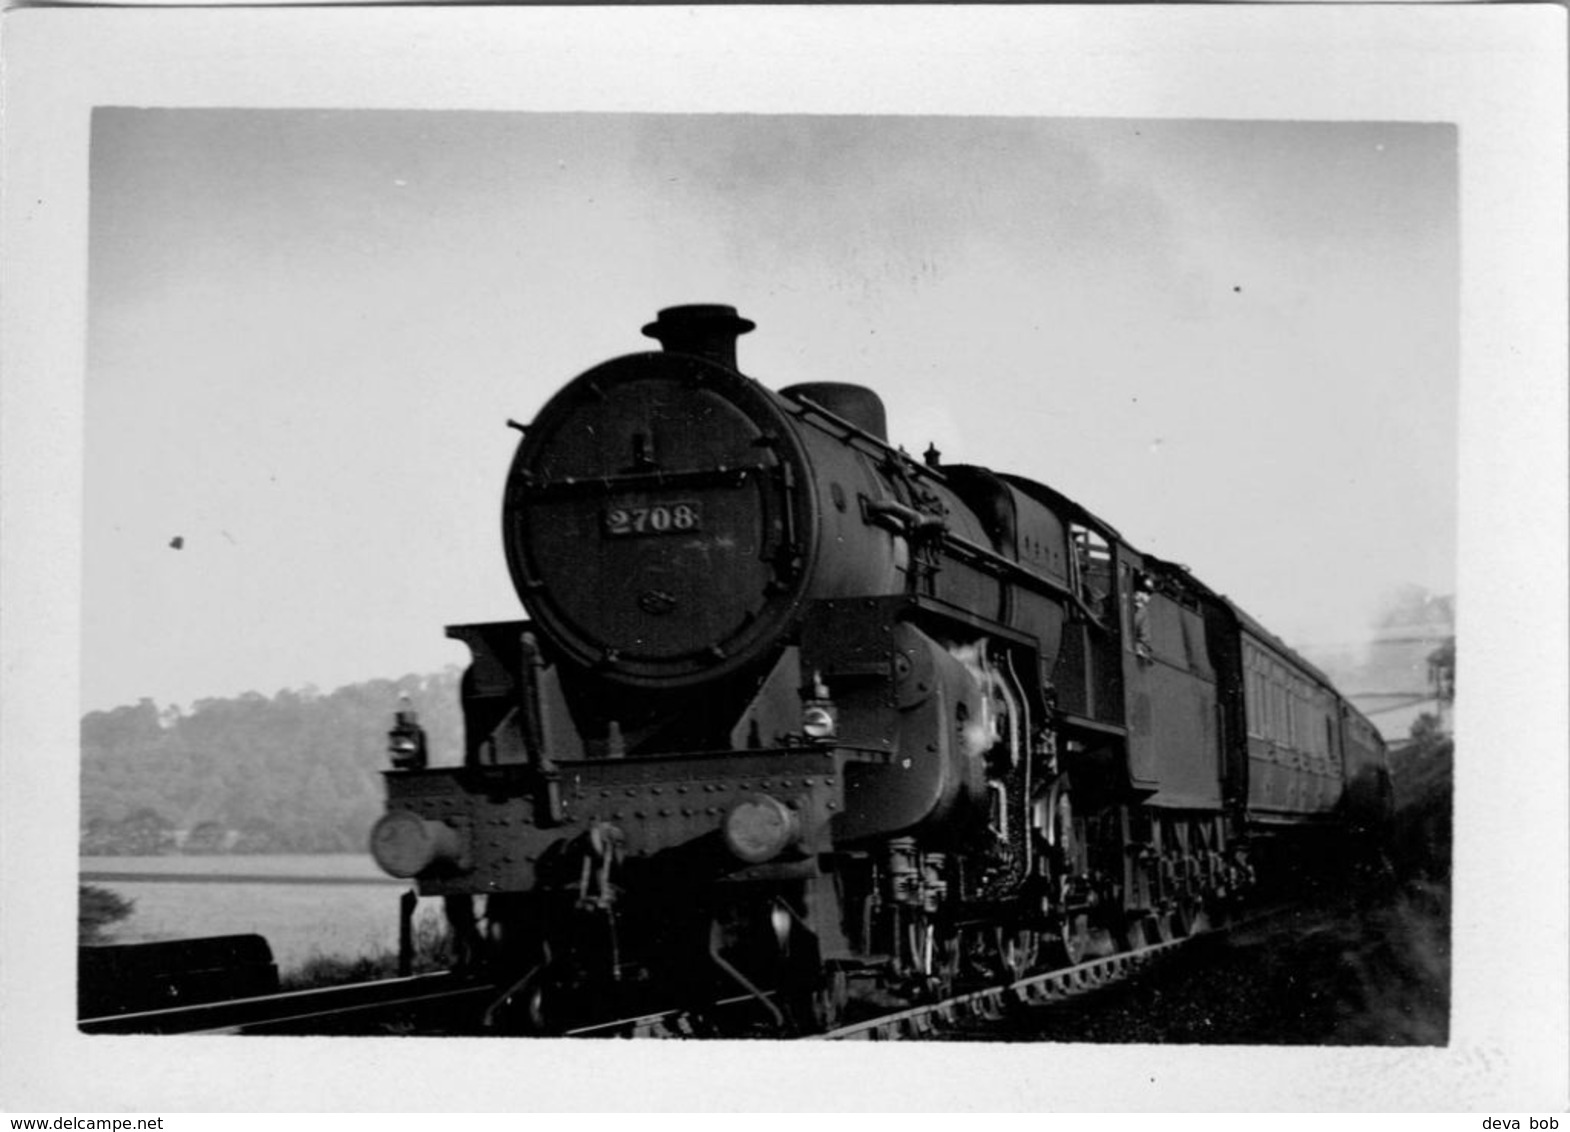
(795, 711)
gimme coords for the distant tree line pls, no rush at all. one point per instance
(299, 772)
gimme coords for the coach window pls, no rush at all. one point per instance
(1286, 712)
(1285, 734)
(1256, 696)
(1251, 698)
(1278, 703)
(1283, 710)
(1265, 709)
(1301, 735)
(1261, 716)
(1262, 680)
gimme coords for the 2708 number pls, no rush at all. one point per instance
(655, 519)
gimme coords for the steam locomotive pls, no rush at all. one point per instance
(797, 716)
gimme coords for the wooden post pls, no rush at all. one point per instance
(406, 904)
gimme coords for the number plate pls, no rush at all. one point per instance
(653, 519)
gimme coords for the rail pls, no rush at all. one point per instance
(407, 1005)
(1043, 989)
(319, 1010)
(993, 1002)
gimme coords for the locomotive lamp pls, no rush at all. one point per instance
(819, 716)
(406, 740)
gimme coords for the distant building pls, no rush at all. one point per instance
(1405, 670)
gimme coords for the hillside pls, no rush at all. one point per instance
(299, 772)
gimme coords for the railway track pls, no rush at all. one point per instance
(428, 1004)
(968, 1009)
(403, 1005)
(992, 1003)
(969, 1013)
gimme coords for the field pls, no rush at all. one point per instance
(336, 906)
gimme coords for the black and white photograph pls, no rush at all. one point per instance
(641, 543)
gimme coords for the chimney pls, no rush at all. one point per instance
(708, 330)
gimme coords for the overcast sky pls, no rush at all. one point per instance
(1235, 341)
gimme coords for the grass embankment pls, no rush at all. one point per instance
(1369, 963)
(432, 952)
